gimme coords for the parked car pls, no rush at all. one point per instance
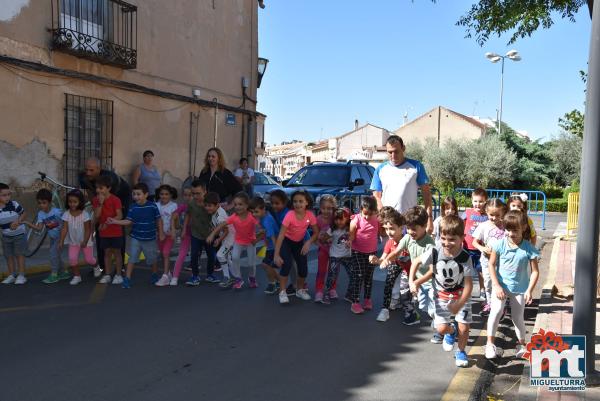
(274, 177)
(346, 181)
(263, 184)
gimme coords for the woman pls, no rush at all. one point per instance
(148, 173)
(245, 176)
(217, 177)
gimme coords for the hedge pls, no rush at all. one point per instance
(552, 205)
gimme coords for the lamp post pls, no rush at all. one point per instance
(494, 58)
(262, 67)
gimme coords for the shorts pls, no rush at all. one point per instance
(443, 315)
(14, 246)
(269, 259)
(150, 249)
(111, 243)
(475, 258)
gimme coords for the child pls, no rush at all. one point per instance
(14, 244)
(271, 231)
(279, 209)
(199, 220)
(51, 217)
(108, 206)
(245, 238)
(451, 269)
(292, 245)
(519, 202)
(484, 236)
(184, 244)
(473, 217)
(448, 207)
(399, 267)
(364, 232)
(144, 218)
(509, 262)
(224, 241)
(327, 204)
(167, 208)
(339, 252)
(77, 233)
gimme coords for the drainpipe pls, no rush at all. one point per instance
(215, 133)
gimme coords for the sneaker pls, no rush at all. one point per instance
(461, 359)
(450, 339)
(303, 294)
(252, 282)
(290, 290)
(106, 279)
(412, 319)
(117, 279)
(367, 304)
(64, 275)
(163, 281)
(174, 281)
(238, 284)
(326, 299)
(348, 299)
(356, 308)
(126, 283)
(271, 289)
(9, 279)
(51, 279)
(520, 351)
(20, 279)
(277, 287)
(333, 294)
(194, 281)
(482, 294)
(227, 283)
(97, 272)
(75, 280)
(394, 304)
(319, 297)
(485, 311)
(154, 278)
(212, 279)
(491, 351)
(437, 338)
(283, 298)
(384, 315)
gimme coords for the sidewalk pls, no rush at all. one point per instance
(556, 314)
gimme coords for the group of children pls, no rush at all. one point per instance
(426, 274)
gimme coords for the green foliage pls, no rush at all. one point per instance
(551, 190)
(565, 154)
(572, 122)
(552, 205)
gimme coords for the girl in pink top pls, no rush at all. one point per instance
(364, 232)
(244, 240)
(290, 244)
(327, 205)
(186, 235)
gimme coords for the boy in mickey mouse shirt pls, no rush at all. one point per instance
(451, 269)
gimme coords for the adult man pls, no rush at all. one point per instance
(397, 181)
(119, 187)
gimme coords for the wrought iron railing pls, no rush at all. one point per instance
(101, 30)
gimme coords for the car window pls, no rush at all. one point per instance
(364, 174)
(320, 176)
(355, 174)
(261, 179)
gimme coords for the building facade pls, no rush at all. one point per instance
(109, 78)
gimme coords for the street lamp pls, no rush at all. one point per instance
(494, 58)
(262, 67)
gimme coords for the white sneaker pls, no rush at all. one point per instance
(106, 279)
(173, 281)
(384, 315)
(283, 298)
(20, 279)
(303, 295)
(394, 303)
(491, 351)
(75, 280)
(164, 280)
(9, 280)
(520, 351)
(97, 271)
(117, 279)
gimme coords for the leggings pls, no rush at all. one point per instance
(292, 251)
(361, 275)
(165, 246)
(396, 272)
(184, 248)
(88, 254)
(517, 312)
(487, 281)
(224, 258)
(334, 271)
(236, 256)
(323, 262)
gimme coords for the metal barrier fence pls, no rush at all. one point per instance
(352, 201)
(536, 203)
(572, 213)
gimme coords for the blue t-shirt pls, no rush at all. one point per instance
(52, 220)
(513, 264)
(279, 216)
(144, 219)
(271, 230)
(399, 184)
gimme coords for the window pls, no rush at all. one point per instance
(365, 174)
(320, 176)
(355, 174)
(88, 133)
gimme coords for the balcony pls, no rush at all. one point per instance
(104, 31)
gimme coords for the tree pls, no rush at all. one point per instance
(446, 165)
(572, 122)
(565, 152)
(491, 163)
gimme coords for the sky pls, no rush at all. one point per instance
(335, 61)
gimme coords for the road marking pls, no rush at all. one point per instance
(98, 293)
(36, 307)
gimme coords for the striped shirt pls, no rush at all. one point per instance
(8, 215)
(144, 218)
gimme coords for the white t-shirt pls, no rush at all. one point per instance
(436, 231)
(76, 229)
(339, 241)
(399, 185)
(487, 233)
(166, 213)
(219, 217)
(245, 175)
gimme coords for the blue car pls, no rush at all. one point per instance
(263, 184)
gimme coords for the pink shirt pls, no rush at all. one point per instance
(245, 233)
(296, 229)
(367, 232)
(323, 225)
